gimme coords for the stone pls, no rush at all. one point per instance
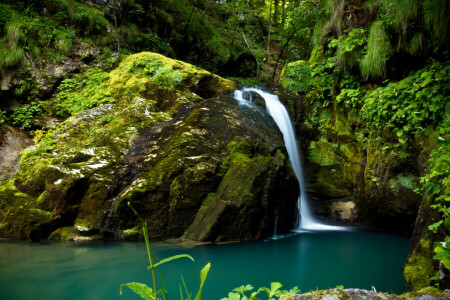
(359, 294)
(346, 210)
(12, 141)
(177, 147)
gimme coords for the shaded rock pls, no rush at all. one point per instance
(344, 210)
(340, 163)
(12, 141)
(46, 76)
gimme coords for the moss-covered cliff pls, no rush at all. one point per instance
(373, 112)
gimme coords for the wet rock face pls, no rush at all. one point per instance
(12, 141)
(186, 157)
(210, 168)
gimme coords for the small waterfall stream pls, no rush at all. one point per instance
(305, 219)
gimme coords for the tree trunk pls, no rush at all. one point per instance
(283, 13)
(270, 27)
(276, 11)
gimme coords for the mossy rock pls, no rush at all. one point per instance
(193, 158)
(419, 269)
(164, 136)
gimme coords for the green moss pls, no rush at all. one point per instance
(132, 233)
(407, 181)
(64, 234)
(18, 212)
(323, 153)
(351, 152)
(432, 291)
(242, 147)
(419, 267)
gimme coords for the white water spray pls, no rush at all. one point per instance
(305, 220)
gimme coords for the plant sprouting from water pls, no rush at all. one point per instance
(148, 293)
(274, 292)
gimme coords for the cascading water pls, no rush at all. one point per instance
(305, 220)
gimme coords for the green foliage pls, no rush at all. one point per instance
(83, 91)
(274, 292)
(296, 76)
(373, 63)
(139, 288)
(23, 115)
(157, 72)
(407, 107)
(442, 250)
(2, 116)
(24, 33)
(106, 119)
(350, 97)
(436, 183)
(148, 293)
(349, 47)
(397, 27)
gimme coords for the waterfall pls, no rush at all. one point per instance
(305, 219)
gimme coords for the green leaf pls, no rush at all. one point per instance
(170, 259)
(447, 223)
(203, 274)
(242, 289)
(253, 295)
(139, 288)
(274, 287)
(232, 296)
(434, 227)
(443, 254)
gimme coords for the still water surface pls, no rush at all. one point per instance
(309, 260)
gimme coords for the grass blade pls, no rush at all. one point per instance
(203, 274)
(170, 259)
(139, 288)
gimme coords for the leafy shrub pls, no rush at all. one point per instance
(106, 119)
(273, 292)
(410, 105)
(296, 76)
(23, 115)
(2, 116)
(349, 47)
(158, 73)
(82, 92)
(28, 33)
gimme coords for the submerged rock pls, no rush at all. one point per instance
(171, 141)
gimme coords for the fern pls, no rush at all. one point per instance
(373, 63)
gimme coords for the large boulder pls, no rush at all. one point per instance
(169, 141)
